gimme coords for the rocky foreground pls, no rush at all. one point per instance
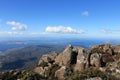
(101, 62)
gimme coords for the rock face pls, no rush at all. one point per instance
(65, 57)
(100, 55)
(76, 58)
(116, 49)
(60, 73)
(73, 56)
(48, 58)
(95, 60)
(45, 63)
(81, 58)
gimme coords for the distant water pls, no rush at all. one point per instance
(6, 44)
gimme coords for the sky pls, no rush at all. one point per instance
(81, 18)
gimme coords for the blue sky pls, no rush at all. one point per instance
(86, 18)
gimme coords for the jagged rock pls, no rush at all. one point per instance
(49, 58)
(39, 70)
(65, 57)
(95, 60)
(107, 48)
(116, 49)
(80, 58)
(100, 55)
(106, 58)
(104, 48)
(60, 73)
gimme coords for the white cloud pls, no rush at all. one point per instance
(17, 25)
(62, 29)
(104, 31)
(85, 13)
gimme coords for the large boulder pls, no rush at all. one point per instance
(65, 57)
(60, 73)
(107, 48)
(48, 58)
(39, 70)
(106, 58)
(104, 48)
(100, 55)
(95, 60)
(116, 49)
(81, 58)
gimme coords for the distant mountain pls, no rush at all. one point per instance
(26, 57)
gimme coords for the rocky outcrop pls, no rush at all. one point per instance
(81, 58)
(99, 63)
(116, 49)
(100, 55)
(45, 63)
(64, 58)
(72, 56)
(76, 58)
(50, 58)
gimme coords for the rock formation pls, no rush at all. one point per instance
(79, 59)
(77, 63)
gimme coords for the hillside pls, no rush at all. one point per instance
(26, 57)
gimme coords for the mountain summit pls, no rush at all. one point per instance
(101, 62)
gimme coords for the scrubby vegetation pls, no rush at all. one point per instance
(50, 73)
(89, 73)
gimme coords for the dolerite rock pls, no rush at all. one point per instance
(65, 57)
(95, 60)
(45, 63)
(113, 69)
(107, 48)
(100, 55)
(60, 73)
(116, 49)
(48, 58)
(104, 48)
(80, 58)
(106, 58)
(39, 70)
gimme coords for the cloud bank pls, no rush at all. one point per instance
(17, 25)
(62, 29)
